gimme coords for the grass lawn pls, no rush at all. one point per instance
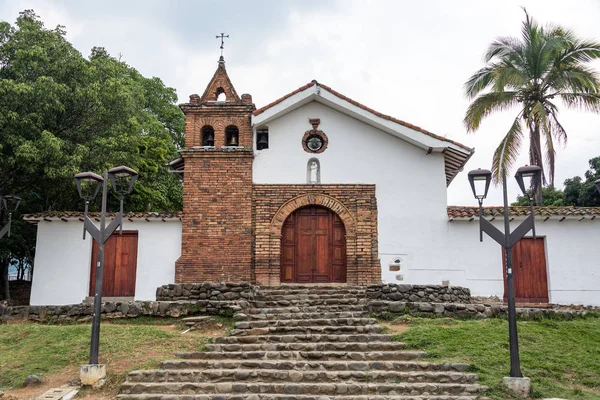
(54, 352)
(562, 358)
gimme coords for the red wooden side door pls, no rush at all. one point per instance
(120, 264)
(313, 247)
(529, 271)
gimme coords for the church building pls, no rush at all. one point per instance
(313, 188)
(288, 193)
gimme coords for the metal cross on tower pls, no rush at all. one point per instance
(222, 36)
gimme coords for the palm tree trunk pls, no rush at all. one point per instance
(536, 159)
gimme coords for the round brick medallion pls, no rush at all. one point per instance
(314, 141)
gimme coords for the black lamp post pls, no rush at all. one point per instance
(10, 203)
(507, 240)
(88, 186)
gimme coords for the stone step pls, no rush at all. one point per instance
(294, 389)
(304, 346)
(316, 291)
(305, 309)
(273, 375)
(309, 296)
(320, 329)
(305, 322)
(313, 365)
(311, 287)
(303, 315)
(362, 338)
(305, 302)
(261, 396)
(305, 355)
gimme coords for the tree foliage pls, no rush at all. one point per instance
(577, 192)
(62, 113)
(544, 68)
(550, 197)
(582, 191)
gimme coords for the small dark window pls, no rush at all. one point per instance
(262, 139)
(232, 136)
(208, 136)
(314, 142)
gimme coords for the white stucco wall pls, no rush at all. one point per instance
(62, 260)
(410, 184)
(572, 263)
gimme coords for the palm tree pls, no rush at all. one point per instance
(532, 72)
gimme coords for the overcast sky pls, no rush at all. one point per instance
(407, 59)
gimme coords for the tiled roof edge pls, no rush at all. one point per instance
(515, 211)
(362, 106)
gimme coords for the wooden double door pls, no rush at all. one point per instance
(313, 247)
(120, 264)
(529, 271)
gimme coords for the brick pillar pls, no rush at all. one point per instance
(217, 222)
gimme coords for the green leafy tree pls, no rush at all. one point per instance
(578, 191)
(582, 192)
(550, 197)
(62, 113)
(544, 68)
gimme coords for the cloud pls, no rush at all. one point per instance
(406, 59)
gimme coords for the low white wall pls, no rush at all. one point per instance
(159, 246)
(572, 262)
(61, 269)
(62, 262)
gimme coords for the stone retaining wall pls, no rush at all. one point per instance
(419, 293)
(176, 300)
(129, 309)
(205, 291)
(461, 310)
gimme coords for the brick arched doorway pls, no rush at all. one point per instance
(313, 247)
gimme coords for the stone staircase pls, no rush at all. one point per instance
(305, 343)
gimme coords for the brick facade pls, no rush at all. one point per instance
(356, 206)
(231, 229)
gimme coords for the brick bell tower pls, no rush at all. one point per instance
(217, 189)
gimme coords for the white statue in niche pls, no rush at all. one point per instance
(313, 171)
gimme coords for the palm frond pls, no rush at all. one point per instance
(485, 104)
(574, 79)
(585, 101)
(558, 131)
(503, 47)
(581, 51)
(508, 75)
(480, 80)
(507, 152)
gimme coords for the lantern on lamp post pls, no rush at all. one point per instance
(88, 185)
(480, 183)
(597, 183)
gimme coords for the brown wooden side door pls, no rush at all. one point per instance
(529, 271)
(120, 264)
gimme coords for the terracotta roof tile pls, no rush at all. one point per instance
(356, 103)
(79, 215)
(279, 100)
(515, 211)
